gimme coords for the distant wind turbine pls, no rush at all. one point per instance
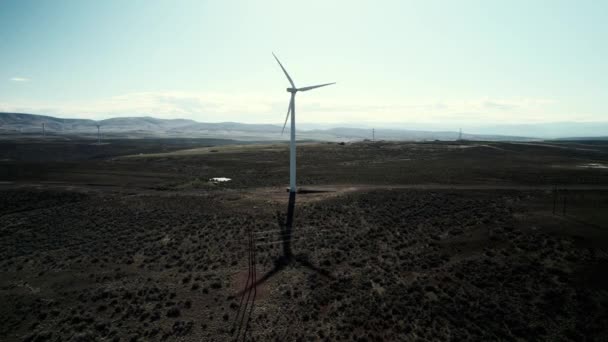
(292, 109)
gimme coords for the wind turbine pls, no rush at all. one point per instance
(292, 109)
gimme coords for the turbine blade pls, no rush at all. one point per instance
(285, 71)
(287, 117)
(315, 86)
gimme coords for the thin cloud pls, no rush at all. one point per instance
(19, 79)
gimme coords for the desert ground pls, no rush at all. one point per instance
(389, 241)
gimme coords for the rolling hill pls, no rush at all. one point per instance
(137, 127)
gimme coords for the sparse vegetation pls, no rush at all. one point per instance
(380, 262)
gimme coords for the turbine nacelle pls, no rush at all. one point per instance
(295, 90)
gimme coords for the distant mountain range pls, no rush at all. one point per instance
(551, 130)
(134, 127)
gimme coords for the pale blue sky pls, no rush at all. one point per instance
(402, 62)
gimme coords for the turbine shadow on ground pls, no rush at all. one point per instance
(288, 258)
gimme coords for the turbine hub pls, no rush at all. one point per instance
(292, 90)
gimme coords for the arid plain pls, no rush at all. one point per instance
(129, 240)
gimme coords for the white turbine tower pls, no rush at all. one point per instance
(292, 109)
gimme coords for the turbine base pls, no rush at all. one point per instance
(309, 190)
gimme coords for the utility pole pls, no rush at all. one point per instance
(98, 135)
(373, 134)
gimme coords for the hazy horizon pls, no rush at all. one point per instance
(539, 130)
(400, 64)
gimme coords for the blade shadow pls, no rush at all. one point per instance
(285, 260)
(307, 264)
(276, 269)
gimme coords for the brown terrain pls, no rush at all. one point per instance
(130, 241)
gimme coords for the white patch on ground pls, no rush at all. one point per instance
(593, 166)
(219, 179)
